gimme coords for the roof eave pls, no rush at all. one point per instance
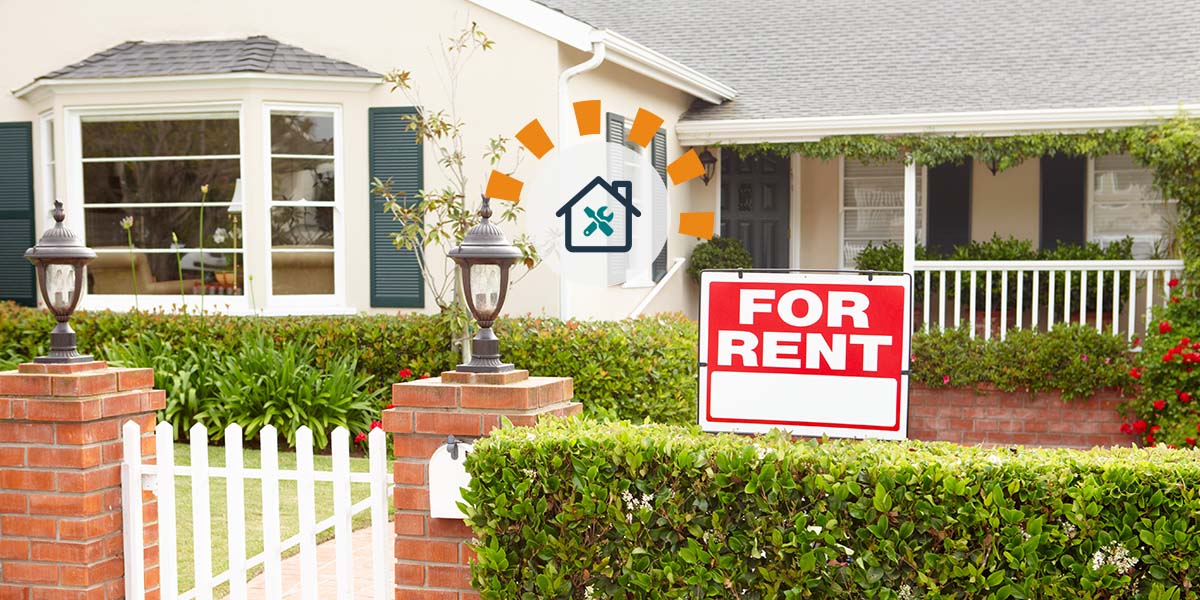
(621, 50)
(699, 132)
(200, 79)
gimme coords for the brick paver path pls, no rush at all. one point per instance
(326, 571)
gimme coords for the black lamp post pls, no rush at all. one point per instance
(710, 166)
(484, 257)
(59, 258)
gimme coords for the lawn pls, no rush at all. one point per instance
(289, 522)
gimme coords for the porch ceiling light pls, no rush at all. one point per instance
(59, 258)
(484, 258)
(710, 165)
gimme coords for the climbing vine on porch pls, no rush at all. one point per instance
(1171, 150)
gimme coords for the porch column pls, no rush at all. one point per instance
(910, 215)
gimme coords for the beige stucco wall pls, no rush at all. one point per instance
(1005, 204)
(500, 90)
(820, 182)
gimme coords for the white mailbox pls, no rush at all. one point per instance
(447, 477)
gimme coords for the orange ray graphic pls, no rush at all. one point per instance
(533, 137)
(587, 116)
(696, 224)
(645, 125)
(685, 168)
(503, 187)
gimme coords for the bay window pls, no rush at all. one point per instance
(153, 229)
(305, 204)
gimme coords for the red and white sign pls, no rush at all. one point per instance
(807, 352)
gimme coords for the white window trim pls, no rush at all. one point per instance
(841, 237)
(301, 303)
(47, 165)
(72, 157)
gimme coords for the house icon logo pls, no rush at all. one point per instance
(599, 217)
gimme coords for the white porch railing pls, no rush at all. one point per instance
(162, 479)
(992, 297)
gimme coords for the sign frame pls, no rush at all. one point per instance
(896, 430)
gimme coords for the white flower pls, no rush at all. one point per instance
(759, 554)
(126, 223)
(1116, 555)
(906, 592)
(204, 189)
(817, 529)
(588, 591)
(529, 437)
(219, 235)
(1070, 530)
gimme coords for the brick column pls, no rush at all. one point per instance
(432, 556)
(60, 479)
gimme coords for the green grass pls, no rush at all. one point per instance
(289, 522)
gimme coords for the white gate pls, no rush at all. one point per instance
(162, 478)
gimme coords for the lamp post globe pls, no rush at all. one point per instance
(484, 257)
(59, 259)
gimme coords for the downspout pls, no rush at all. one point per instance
(564, 117)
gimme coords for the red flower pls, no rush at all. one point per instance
(1160, 404)
(1126, 429)
(1173, 282)
(1139, 426)
(1135, 373)
(1154, 428)
(1164, 327)
(1173, 446)
(1150, 440)
(390, 406)
(1190, 441)
(1174, 300)
(405, 373)
(945, 380)
(1185, 397)
(379, 425)
(360, 438)
(425, 376)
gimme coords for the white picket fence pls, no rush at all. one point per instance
(161, 478)
(1115, 295)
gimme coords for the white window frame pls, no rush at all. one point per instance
(72, 156)
(306, 303)
(47, 163)
(922, 226)
(1091, 200)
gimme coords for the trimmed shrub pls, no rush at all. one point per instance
(719, 253)
(1076, 359)
(581, 509)
(634, 369)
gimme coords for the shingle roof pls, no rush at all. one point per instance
(258, 54)
(823, 58)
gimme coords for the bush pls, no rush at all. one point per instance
(719, 253)
(1164, 407)
(1076, 359)
(633, 369)
(606, 510)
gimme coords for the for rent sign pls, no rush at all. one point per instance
(813, 353)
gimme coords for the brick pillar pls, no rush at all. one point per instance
(60, 479)
(432, 557)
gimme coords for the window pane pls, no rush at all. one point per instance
(873, 202)
(189, 136)
(159, 273)
(309, 272)
(302, 179)
(152, 227)
(302, 226)
(1126, 203)
(159, 181)
(302, 133)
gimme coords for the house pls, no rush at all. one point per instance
(592, 211)
(287, 97)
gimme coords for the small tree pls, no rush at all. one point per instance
(439, 217)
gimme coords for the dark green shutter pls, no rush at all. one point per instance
(17, 280)
(395, 154)
(658, 157)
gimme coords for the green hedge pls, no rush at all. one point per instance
(1076, 359)
(611, 510)
(634, 369)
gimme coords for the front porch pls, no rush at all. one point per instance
(809, 213)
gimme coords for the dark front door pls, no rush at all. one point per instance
(755, 206)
